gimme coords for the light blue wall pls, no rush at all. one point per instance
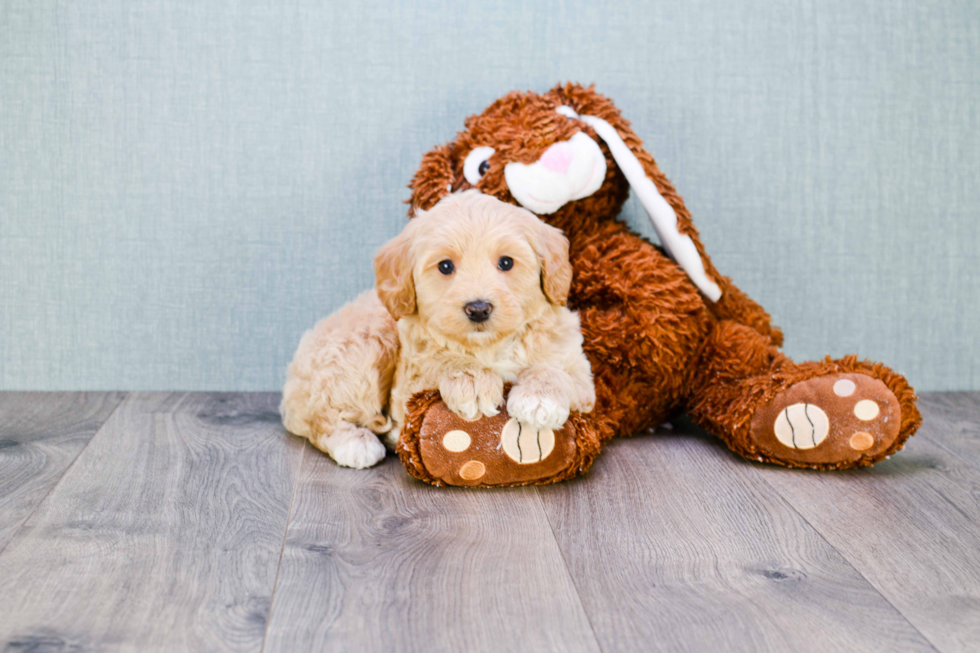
(186, 186)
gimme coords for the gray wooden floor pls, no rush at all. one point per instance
(169, 522)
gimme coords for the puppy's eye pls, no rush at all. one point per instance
(447, 267)
(505, 263)
(477, 163)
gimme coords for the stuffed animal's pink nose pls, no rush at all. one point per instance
(557, 158)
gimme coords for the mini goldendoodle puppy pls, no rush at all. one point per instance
(478, 288)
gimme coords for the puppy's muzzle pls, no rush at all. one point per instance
(478, 311)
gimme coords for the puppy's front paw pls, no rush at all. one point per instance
(473, 393)
(355, 447)
(540, 410)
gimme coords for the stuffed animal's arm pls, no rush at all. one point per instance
(672, 221)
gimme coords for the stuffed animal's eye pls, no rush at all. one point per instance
(447, 267)
(505, 263)
(477, 163)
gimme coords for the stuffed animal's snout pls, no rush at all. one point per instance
(567, 170)
(558, 157)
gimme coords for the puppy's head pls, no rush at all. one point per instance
(474, 269)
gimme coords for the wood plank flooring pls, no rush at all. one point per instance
(193, 522)
(41, 434)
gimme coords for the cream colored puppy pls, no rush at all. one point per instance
(478, 288)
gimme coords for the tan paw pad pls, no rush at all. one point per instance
(862, 441)
(472, 470)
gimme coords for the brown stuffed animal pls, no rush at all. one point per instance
(664, 331)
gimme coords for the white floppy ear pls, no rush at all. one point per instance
(681, 247)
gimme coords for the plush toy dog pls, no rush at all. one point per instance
(664, 331)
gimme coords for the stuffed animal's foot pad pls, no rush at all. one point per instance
(835, 419)
(492, 451)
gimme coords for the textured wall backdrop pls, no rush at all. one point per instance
(185, 186)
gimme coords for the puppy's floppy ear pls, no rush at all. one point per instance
(551, 248)
(556, 272)
(433, 180)
(393, 274)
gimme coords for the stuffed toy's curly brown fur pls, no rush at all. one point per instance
(657, 345)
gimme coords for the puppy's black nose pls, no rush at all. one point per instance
(478, 311)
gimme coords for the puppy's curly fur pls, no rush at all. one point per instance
(354, 372)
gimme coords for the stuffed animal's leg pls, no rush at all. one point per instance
(736, 306)
(832, 414)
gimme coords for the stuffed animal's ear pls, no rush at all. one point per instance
(433, 180)
(665, 207)
(556, 271)
(679, 236)
(393, 275)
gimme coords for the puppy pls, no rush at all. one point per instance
(469, 296)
